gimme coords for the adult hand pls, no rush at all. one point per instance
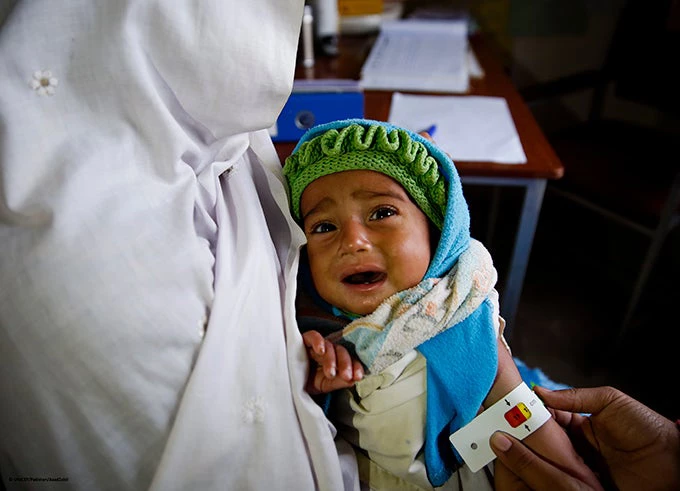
(332, 366)
(634, 447)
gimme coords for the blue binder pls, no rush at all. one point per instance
(310, 105)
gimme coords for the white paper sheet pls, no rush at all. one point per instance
(408, 56)
(469, 128)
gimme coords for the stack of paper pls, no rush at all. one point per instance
(419, 55)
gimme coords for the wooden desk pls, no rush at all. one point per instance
(542, 162)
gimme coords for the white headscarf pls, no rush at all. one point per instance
(141, 201)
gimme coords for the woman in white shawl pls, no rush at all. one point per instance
(148, 261)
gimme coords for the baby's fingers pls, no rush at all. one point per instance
(358, 370)
(349, 369)
(344, 363)
(315, 343)
(328, 362)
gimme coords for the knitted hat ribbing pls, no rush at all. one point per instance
(369, 145)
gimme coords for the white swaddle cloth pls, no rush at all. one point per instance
(141, 201)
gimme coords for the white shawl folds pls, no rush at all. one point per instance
(141, 201)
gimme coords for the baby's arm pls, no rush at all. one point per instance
(550, 440)
(335, 369)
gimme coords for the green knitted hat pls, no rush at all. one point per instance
(369, 145)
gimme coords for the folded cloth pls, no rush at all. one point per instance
(410, 317)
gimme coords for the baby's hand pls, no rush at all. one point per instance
(335, 369)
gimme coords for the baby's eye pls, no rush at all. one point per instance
(382, 212)
(321, 228)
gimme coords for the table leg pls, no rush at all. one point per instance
(533, 199)
(531, 208)
(493, 213)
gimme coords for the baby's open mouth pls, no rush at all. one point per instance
(365, 278)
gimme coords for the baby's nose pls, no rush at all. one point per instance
(355, 237)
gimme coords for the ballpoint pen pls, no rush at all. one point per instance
(430, 131)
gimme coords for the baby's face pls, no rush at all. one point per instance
(366, 239)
